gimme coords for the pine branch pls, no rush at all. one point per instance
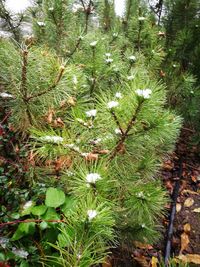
(107, 19)
(83, 4)
(92, 88)
(117, 121)
(125, 134)
(128, 10)
(24, 73)
(75, 47)
(139, 32)
(23, 88)
(157, 9)
(87, 11)
(52, 87)
(4, 14)
(128, 13)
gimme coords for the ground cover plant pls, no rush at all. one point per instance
(92, 131)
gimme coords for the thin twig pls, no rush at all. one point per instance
(125, 134)
(75, 47)
(24, 83)
(92, 88)
(187, 129)
(128, 13)
(87, 11)
(24, 72)
(192, 167)
(53, 86)
(117, 121)
(29, 221)
(6, 117)
(82, 2)
(4, 13)
(139, 32)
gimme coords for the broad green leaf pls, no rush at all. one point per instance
(17, 235)
(27, 208)
(24, 264)
(43, 225)
(2, 257)
(27, 228)
(15, 215)
(68, 206)
(54, 197)
(51, 235)
(23, 230)
(51, 214)
(39, 210)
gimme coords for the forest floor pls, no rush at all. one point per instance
(182, 166)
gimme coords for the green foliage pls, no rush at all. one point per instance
(54, 197)
(93, 113)
(24, 229)
(182, 64)
(21, 70)
(80, 237)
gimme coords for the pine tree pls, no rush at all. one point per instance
(96, 120)
(182, 64)
(11, 22)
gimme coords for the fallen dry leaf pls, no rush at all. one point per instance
(81, 65)
(187, 191)
(154, 262)
(169, 186)
(17, 149)
(62, 162)
(142, 260)
(50, 115)
(168, 165)
(31, 158)
(184, 242)
(162, 34)
(162, 73)
(187, 228)
(190, 258)
(189, 202)
(194, 178)
(71, 101)
(142, 245)
(197, 210)
(121, 148)
(63, 103)
(107, 263)
(91, 157)
(58, 123)
(178, 207)
(103, 151)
